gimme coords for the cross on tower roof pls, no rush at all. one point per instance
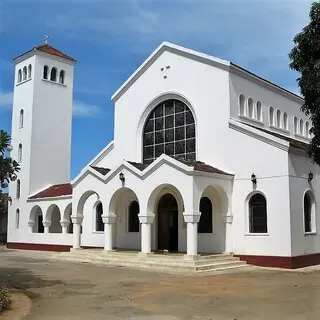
(46, 39)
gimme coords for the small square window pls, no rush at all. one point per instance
(169, 122)
(179, 106)
(180, 133)
(179, 147)
(159, 137)
(149, 152)
(149, 126)
(189, 117)
(169, 107)
(169, 149)
(159, 111)
(159, 124)
(159, 149)
(149, 139)
(190, 131)
(169, 135)
(179, 118)
(190, 146)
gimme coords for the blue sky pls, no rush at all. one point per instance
(111, 38)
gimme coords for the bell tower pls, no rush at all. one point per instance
(41, 121)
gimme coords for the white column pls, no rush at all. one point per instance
(46, 225)
(146, 221)
(76, 220)
(192, 219)
(109, 220)
(64, 226)
(31, 224)
(228, 219)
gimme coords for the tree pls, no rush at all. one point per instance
(305, 59)
(8, 166)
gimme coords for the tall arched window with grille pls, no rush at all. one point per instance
(295, 125)
(242, 108)
(258, 214)
(29, 71)
(19, 76)
(205, 222)
(133, 218)
(285, 121)
(21, 118)
(99, 221)
(20, 152)
(259, 111)
(25, 73)
(45, 72)
(169, 129)
(301, 131)
(307, 131)
(61, 76)
(271, 116)
(250, 108)
(53, 75)
(17, 218)
(18, 189)
(278, 119)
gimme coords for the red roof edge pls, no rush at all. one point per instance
(56, 190)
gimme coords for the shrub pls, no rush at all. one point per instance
(5, 298)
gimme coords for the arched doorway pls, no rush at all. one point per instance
(168, 223)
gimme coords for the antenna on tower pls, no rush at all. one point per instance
(46, 39)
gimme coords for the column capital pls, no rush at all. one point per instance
(227, 217)
(46, 223)
(31, 223)
(192, 217)
(146, 218)
(64, 223)
(77, 219)
(109, 218)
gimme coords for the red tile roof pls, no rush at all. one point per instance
(49, 49)
(56, 190)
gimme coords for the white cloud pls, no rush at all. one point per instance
(5, 100)
(83, 109)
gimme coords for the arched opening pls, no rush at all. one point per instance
(53, 75)
(258, 214)
(19, 76)
(278, 124)
(167, 216)
(25, 73)
(20, 153)
(169, 129)
(242, 105)
(29, 71)
(271, 116)
(21, 118)
(17, 218)
(301, 127)
(205, 223)
(250, 108)
(99, 226)
(45, 72)
(133, 218)
(309, 212)
(18, 191)
(285, 121)
(36, 217)
(61, 76)
(307, 129)
(295, 125)
(67, 217)
(53, 215)
(259, 111)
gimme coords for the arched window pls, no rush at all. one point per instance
(45, 72)
(17, 218)
(24, 73)
(18, 189)
(242, 105)
(309, 212)
(53, 75)
(295, 125)
(258, 214)
(20, 153)
(259, 111)
(205, 222)
(301, 127)
(29, 71)
(278, 124)
(99, 222)
(40, 223)
(169, 129)
(285, 121)
(61, 77)
(307, 133)
(19, 76)
(271, 116)
(21, 118)
(250, 108)
(133, 218)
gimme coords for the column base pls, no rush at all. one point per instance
(75, 249)
(145, 254)
(191, 257)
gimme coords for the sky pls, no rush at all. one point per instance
(111, 38)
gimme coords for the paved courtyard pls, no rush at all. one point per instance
(65, 290)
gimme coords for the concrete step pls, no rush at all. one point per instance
(214, 266)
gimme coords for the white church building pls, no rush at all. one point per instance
(207, 157)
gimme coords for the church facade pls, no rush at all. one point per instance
(206, 158)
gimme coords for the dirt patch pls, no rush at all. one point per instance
(20, 308)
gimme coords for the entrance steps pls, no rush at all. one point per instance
(173, 263)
